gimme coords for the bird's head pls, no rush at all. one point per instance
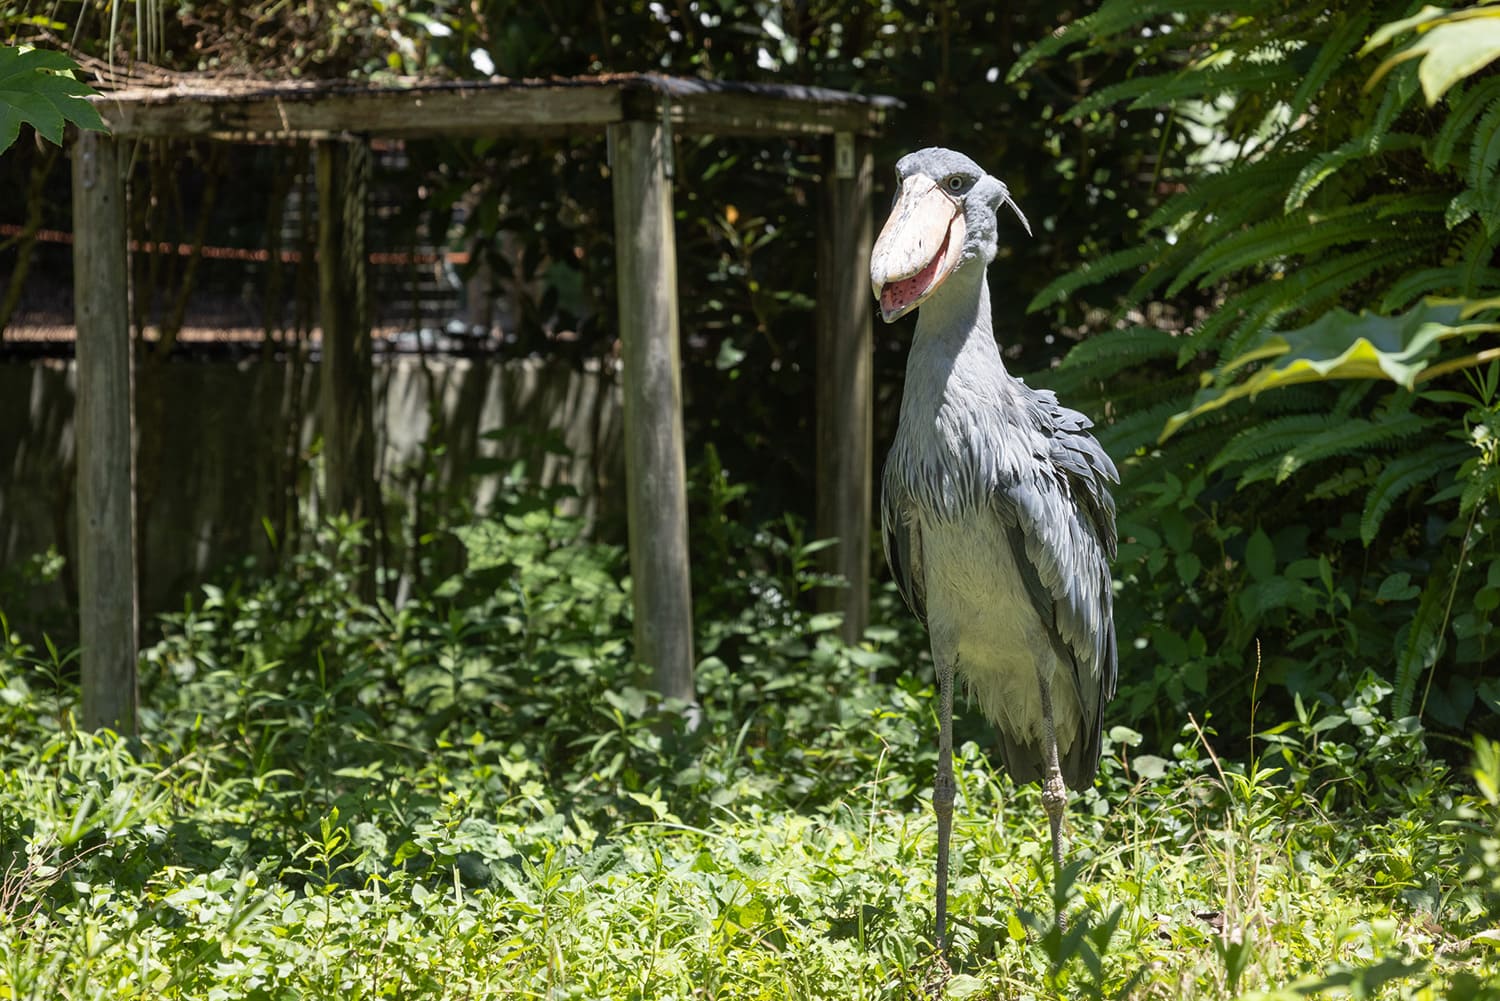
(944, 219)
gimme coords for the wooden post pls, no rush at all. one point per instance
(107, 602)
(846, 236)
(347, 377)
(656, 480)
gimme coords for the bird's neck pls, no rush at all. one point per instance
(957, 321)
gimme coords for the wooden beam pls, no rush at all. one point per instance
(410, 112)
(240, 109)
(656, 480)
(346, 387)
(845, 376)
(736, 109)
(107, 601)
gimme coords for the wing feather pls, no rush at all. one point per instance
(902, 538)
(1061, 517)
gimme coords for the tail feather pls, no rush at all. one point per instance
(1025, 761)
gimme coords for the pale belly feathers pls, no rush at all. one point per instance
(979, 609)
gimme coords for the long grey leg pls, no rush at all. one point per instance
(1054, 790)
(943, 790)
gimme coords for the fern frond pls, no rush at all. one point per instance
(1464, 205)
(1484, 159)
(1114, 17)
(1094, 272)
(1402, 475)
(1478, 252)
(1118, 349)
(1232, 316)
(1188, 451)
(1355, 434)
(1172, 259)
(1312, 287)
(1208, 82)
(1354, 392)
(1198, 83)
(1345, 437)
(1481, 487)
(1107, 368)
(1346, 36)
(1115, 93)
(1328, 164)
(1277, 239)
(1475, 99)
(1396, 97)
(1220, 191)
(1342, 483)
(1270, 438)
(1196, 444)
(1419, 643)
(1139, 428)
(1449, 280)
(1322, 283)
(1258, 323)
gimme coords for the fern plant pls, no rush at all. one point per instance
(1306, 192)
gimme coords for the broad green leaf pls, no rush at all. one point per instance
(1458, 45)
(1263, 597)
(1260, 555)
(36, 109)
(1397, 587)
(20, 62)
(1455, 51)
(1386, 32)
(1338, 345)
(824, 621)
(35, 91)
(1150, 766)
(965, 986)
(1188, 567)
(1486, 768)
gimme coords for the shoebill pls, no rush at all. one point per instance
(996, 513)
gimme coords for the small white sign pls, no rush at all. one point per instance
(843, 156)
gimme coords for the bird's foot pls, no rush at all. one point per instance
(936, 984)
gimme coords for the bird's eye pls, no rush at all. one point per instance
(955, 183)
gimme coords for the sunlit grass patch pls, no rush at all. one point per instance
(337, 801)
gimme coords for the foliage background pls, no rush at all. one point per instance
(1309, 578)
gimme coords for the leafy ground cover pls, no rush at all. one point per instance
(470, 797)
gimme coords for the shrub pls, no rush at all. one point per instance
(1328, 528)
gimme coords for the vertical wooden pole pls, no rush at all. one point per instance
(656, 480)
(347, 376)
(845, 413)
(107, 602)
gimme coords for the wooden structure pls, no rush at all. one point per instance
(639, 114)
(107, 601)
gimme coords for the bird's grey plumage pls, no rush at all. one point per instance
(996, 513)
(998, 450)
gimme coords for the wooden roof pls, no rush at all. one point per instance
(289, 109)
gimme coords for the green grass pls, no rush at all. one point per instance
(469, 798)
